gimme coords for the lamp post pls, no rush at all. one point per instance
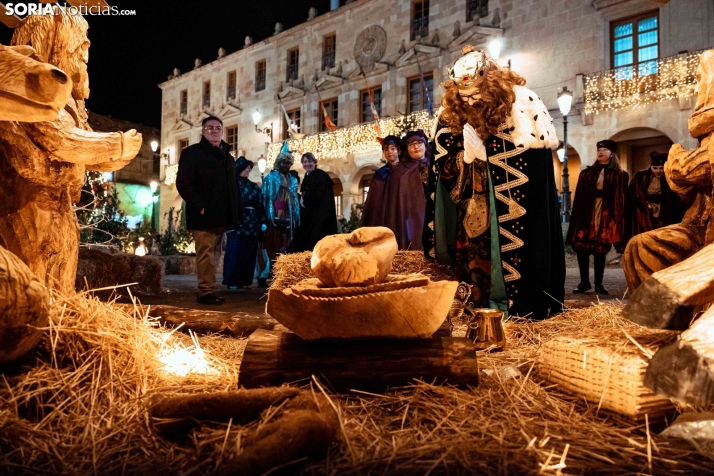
(262, 163)
(155, 186)
(267, 130)
(565, 100)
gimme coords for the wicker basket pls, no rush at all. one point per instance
(607, 370)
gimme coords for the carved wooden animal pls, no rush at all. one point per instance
(665, 295)
(43, 164)
(30, 91)
(24, 307)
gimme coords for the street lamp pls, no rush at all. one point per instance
(262, 163)
(565, 100)
(154, 146)
(494, 48)
(267, 130)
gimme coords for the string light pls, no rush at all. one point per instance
(349, 140)
(624, 87)
(171, 172)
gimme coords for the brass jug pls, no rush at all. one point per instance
(485, 328)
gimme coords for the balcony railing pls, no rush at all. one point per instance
(231, 93)
(419, 28)
(184, 108)
(328, 59)
(632, 86)
(206, 100)
(292, 73)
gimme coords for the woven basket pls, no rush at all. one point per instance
(607, 370)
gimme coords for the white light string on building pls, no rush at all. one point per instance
(624, 87)
(349, 140)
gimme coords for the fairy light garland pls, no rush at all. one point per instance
(348, 140)
(171, 172)
(624, 88)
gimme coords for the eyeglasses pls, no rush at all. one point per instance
(213, 128)
(415, 144)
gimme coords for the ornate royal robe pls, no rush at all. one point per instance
(496, 220)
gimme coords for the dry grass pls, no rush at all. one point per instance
(292, 268)
(78, 406)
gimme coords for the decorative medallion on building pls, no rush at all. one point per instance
(370, 46)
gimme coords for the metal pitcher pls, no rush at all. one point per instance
(485, 328)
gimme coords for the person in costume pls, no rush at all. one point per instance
(317, 206)
(493, 209)
(650, 203)
(280, 199)
(598, 219)
(418, 150)
(396, 196)
(242, 243)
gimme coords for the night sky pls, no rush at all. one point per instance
(130, 55)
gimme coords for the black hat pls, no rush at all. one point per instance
(611, 145)
(414, 136)
(242, 163)
(658, 158)
(390, 139)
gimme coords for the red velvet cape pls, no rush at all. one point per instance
(582, 234)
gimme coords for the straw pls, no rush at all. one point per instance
(78, 405)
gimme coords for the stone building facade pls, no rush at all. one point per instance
(397, 43)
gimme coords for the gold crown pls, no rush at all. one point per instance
(470, 70)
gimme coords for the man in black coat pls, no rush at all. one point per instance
(207, 181)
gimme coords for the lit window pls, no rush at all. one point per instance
(635, 46)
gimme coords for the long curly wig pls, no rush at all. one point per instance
(486, 114)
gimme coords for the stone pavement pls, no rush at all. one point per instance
(180, 291)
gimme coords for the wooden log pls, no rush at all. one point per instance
(668, 298)
(232, 324)
(272, 358)
(178, 413)
(684, 370)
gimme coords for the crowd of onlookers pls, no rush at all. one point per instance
(284, 216)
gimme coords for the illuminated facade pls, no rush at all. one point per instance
(405, 45)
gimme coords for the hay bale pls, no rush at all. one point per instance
(289, 269)
(179, 264)
(24, 307)
(101, 270)
(606, 367)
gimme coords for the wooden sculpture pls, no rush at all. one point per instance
(30, 91)
(43, 164)
(353, 296)
(672, 268)
(24, 307)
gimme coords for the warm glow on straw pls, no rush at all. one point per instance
(181, 361)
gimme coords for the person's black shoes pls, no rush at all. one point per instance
(582, 287)
(210, 299)
(600, 289)
(262, 283)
